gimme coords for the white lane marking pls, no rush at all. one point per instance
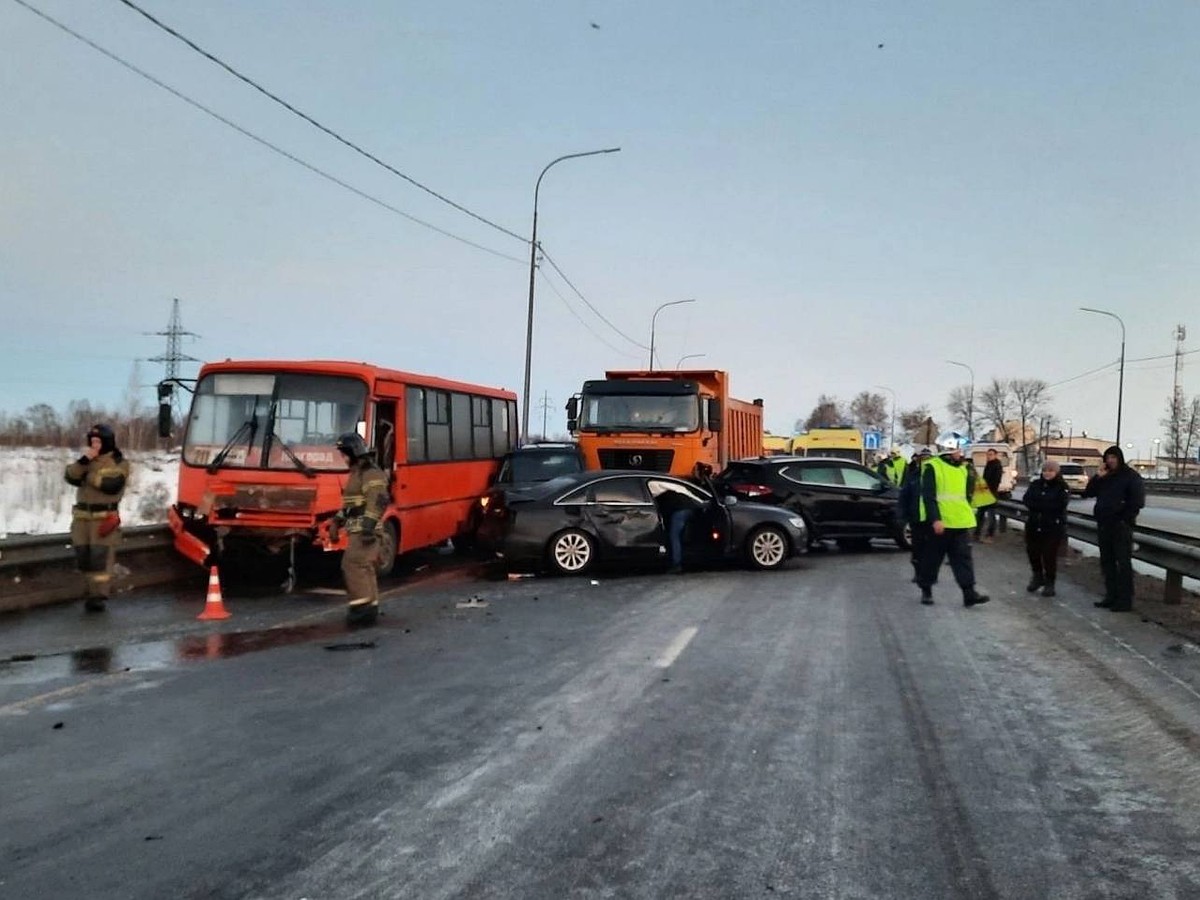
(676, 647)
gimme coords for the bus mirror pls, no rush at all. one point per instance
(713, 414)
(165, 422)
(573, 414)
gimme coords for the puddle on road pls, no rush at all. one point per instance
(152, 655)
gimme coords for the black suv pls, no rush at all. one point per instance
(840, 500)
(534, 463)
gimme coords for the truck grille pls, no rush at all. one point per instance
(652, 460)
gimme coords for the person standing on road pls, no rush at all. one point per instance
(908, 510)
(677, 511)
(100, 476)
(893, 467)
(364, 501)
(1120, 495)
(947, 482)
(1047, 499)
(987, 491)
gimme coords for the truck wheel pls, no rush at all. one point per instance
(571, 552)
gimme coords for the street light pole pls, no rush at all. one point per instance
(971, 401)
(679, 365)
(892, 430)
(652, 321)
(533, 250)
(1121, 378)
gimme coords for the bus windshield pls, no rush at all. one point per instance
(639, 412)
(265, 420)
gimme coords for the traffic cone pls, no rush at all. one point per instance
(214, 606)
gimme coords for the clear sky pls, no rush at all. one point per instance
(853, 192)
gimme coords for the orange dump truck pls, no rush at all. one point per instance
(664, 422)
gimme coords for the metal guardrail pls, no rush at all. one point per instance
(1181, 488)
(1178, 555)
(52, 549)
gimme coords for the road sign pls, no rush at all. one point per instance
(872, 440)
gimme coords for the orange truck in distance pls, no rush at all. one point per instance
(664, 421)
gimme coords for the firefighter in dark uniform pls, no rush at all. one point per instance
(364, 500)
(947, 482)
(100, 476)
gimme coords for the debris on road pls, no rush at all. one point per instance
(476, 602)
(517, 576)
(58, 726)
(352, 645)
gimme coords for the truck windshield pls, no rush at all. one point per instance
(251, 420)
(639, 412)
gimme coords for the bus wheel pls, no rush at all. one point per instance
(389, 540)
(571, 552)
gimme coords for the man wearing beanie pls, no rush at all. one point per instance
(1120, 496)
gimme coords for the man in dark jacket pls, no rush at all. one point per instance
(908, 509)
(1120, 496)
(993, 473)
(1047, 499)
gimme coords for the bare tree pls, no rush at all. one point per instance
(963, 408)
(1182, 424)
(910, 420)
(134, 416)
(826, 414)
(996, 407)
(869, 411)
(44, 424)
(1030, 395)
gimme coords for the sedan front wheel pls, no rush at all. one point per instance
(572, 552)
(767, 547)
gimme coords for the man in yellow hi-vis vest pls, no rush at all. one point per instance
(946, 490)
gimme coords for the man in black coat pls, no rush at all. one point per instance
(1047, 499)
(1120, 496)
(993, 474)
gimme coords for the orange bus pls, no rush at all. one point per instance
(260, 479)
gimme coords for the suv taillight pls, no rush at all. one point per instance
(752, 490)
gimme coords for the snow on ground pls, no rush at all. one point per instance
(35, 499)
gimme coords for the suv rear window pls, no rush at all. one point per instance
(539, 465)
(1070, 469)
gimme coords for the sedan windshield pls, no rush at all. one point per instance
(644, 412)
(263, 420)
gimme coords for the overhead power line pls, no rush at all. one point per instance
(588, 303)
(310, 120)
(1110, 365)
(582, 321)
(259, 140)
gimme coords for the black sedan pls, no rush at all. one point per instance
(572, 523)
(839, 500)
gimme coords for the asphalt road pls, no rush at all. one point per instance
(810, 733)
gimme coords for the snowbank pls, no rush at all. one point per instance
(34, 498)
